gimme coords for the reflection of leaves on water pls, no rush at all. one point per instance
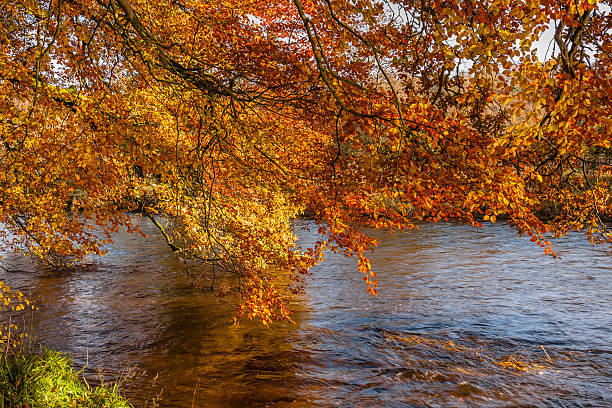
(474, 359)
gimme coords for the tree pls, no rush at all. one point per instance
(220, 121)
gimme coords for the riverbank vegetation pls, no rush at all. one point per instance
(31, 377)
(47, 379)
(221, 121)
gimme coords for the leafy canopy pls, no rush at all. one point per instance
(222, 120)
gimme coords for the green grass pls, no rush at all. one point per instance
(47, 379)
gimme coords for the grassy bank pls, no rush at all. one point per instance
(43, 378)
(47, 379)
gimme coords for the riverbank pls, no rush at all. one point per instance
(47, 379)
(34, 376)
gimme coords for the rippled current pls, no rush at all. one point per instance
(464, 317)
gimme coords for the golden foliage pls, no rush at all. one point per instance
(220, 121)
(11, 301)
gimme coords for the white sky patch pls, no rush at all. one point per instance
(546, 47)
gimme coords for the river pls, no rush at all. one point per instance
(465, 317)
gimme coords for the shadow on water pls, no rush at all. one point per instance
(464, 317)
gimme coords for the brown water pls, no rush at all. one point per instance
(455, 304)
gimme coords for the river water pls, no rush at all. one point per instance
(464, 317)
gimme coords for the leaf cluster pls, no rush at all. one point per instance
(221, 121)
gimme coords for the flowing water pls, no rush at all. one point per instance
(464, 317)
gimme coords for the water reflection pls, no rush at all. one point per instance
(454, 304)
